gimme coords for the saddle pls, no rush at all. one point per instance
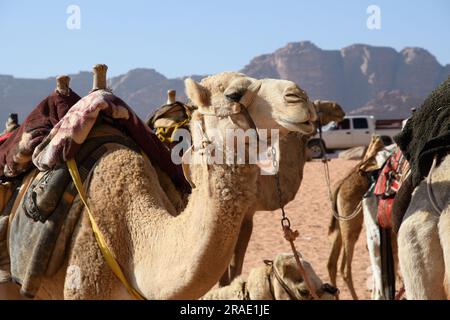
(388, 184)
(169, 118)
(43, 219)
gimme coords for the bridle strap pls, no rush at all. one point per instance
(283, 284)
(274, 271)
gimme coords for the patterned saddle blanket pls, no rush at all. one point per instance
(388, 184)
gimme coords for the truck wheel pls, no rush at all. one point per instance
(316, 148)
(387, 141)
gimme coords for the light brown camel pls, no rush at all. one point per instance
(292, 161)
(424, 239)
(347, 196)
(166, 255)
(424, 235)
(277, 280)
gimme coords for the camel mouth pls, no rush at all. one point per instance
(305, 127)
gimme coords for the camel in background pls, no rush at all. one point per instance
(277, 280)
(347, 197)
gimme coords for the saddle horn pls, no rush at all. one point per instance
(171, 97)
(62, 84)
(99, 71)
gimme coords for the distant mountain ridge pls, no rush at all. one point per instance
(372, 79)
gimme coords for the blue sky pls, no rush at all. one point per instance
(202, 36)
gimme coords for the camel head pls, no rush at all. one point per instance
(287, 269)
(271, 103)
(329, 111)
(369, 162)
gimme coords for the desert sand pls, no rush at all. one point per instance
(310, 214)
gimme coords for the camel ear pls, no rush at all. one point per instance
(198, 94)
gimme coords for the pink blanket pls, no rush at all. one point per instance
(68, 135)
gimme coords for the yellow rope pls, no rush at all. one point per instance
(166, 134)
(112, 262)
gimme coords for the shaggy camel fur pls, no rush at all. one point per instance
(424, 240)
(347, 196)
(262, 283)
(163, 254)
(292, 161)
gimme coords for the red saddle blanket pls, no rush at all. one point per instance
(389, 182)
(5, 137)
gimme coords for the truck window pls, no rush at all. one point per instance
(360, 123)
(343, 125)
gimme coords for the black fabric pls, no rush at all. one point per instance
(427, 133)
(401, 203)
(387, 264)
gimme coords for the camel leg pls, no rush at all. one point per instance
(420, 253)
(370, 208)
(343, 263)
(350, 234)
(348, 278)
(237, 262)
(334, 256)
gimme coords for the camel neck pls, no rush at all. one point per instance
(192, 250)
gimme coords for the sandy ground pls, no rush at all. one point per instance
(310, 214)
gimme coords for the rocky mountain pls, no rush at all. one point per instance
(353, 75)
(389, 105)
(364, 78)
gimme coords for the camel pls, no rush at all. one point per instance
(347, 197)
(163, 254)
(292, 161)
(276, 280)
(423, 239)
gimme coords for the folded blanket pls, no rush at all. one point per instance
(69, 134)
(16, 151)
(427, 133)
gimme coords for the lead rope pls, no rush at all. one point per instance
(107, 254)
(326, 169)
(430, 192)
(289, 234)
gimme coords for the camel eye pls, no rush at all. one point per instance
(235, 96)
(304, 292)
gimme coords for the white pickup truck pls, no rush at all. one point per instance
(353, 131)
